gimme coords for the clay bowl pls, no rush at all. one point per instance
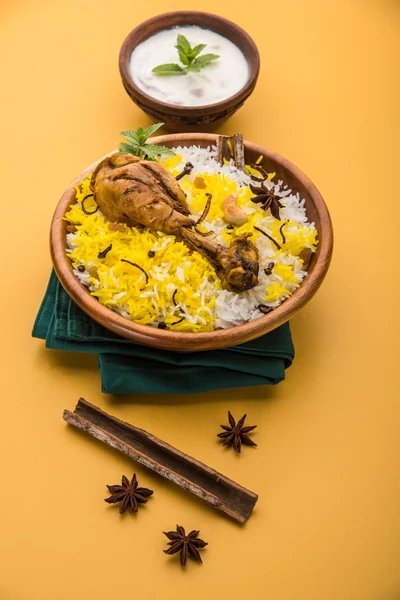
(189, 342)
(186, 118)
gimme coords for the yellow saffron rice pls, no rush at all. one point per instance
(167, 283)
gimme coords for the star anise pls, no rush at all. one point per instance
(235, 434)
(265, 195)
(187, 545)
(129, 494)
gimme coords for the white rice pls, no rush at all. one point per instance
(234, 309)
(231, 309)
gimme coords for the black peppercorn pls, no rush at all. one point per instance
(162, 325)
(151, 254)
(230, 227)
(81, 268)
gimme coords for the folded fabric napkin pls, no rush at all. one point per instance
(130, 368)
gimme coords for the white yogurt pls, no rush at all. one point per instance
(217, 81)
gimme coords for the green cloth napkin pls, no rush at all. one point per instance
(130, 368)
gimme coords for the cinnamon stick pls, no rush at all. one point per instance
(229, 147)
(187, 472)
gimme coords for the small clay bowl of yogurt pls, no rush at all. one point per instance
(190, 70)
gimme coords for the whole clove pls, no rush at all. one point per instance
(268, 270)
(187, 169)
(104, 252)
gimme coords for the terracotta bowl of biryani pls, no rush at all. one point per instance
(187, 333)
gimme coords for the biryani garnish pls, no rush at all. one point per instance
(203, 252)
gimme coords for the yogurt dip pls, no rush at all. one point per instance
(219, 80)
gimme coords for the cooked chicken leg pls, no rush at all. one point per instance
(134, 191)
(130, 190)
(236, 266)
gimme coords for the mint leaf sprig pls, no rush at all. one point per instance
(137, 143)
(190, 58)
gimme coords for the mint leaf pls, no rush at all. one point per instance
(152, 150)
(131, 136)
(152, 129)
(129, 149)
(197, 49)
(169, 69)
(205, 59)
(194, 66)
(141, 135)
(138, 147)
(189, 57)
(183, 57)
(183, 44)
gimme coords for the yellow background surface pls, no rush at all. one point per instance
(326, 526)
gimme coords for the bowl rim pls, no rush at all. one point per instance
(127, 49)
(182, 341)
